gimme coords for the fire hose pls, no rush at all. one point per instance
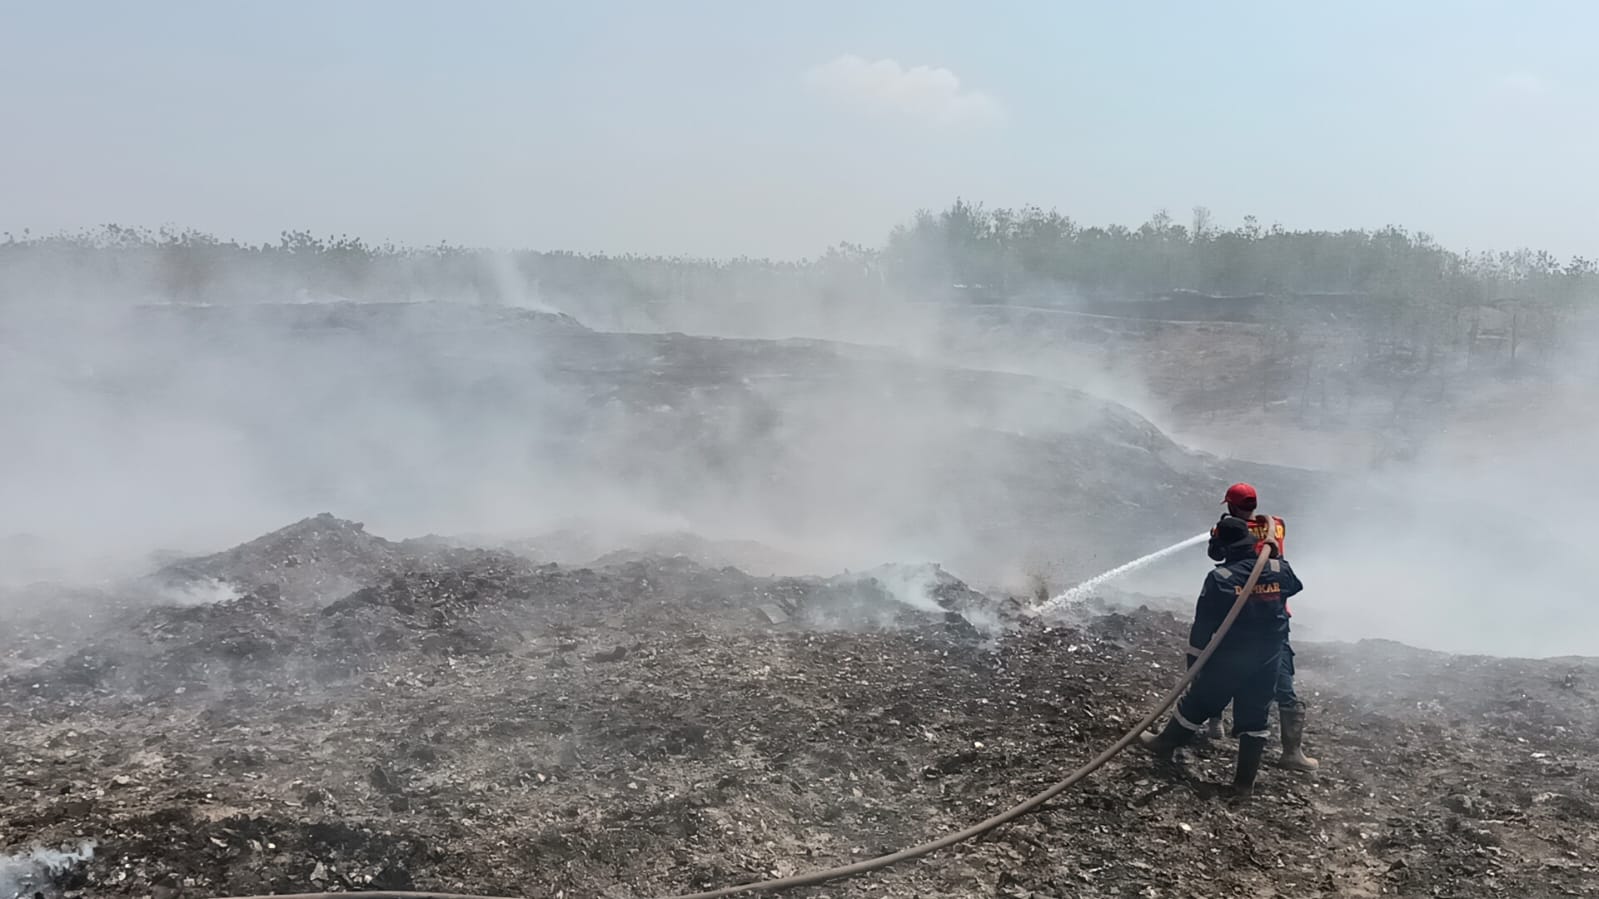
(840, 872)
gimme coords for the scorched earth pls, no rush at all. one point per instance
(352, 713)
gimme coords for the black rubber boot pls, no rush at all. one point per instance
(1163, 744)
(1250, 752)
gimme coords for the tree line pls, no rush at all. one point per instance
(965, 251)
(1011, 252)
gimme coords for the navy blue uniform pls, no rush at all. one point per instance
(1284, 694)
(1248, 664)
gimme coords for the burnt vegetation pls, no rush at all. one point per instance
(326, 708)
(477, 720)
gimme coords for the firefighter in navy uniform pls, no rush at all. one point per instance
(1241, 501)
(1244, 669)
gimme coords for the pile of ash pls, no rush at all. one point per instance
(278, 622)
(317, 559)
(477, 722)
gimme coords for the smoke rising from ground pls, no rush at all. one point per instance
(839, 424)
(1480, 542)
(34, 872)
(1486, 553)
(188, 427)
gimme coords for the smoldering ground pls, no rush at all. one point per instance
(839, 429)
(642, 719)
(143, 426)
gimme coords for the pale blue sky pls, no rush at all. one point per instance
(722, 128)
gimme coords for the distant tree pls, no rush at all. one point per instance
(1419, 292)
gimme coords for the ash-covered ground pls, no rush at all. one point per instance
(322, 709)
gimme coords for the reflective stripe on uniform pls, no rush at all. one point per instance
(1263, 734)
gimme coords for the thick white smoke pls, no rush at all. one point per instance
(34, 871)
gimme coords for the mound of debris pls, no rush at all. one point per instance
(316, 559)
(745, 555)
(487, 724)
(426, 600)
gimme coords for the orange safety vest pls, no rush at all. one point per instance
(1258, 528)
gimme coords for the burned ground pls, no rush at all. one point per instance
(457, 418)
(478, 721)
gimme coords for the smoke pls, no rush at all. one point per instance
(1482, 544)
(198, 592)
(512, 288)
(831, 419)
(881, 591)
(837, 429)
(1478, 542)
(38, 870)
(909, 585)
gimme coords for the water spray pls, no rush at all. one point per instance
(1086, 588)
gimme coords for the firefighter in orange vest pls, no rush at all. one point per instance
(1241, 501)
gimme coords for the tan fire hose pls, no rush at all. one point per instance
(825, 875)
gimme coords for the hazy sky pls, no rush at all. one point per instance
(724, 128)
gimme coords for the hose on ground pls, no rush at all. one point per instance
(841, 872)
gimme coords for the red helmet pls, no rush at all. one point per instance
(1241, 496)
